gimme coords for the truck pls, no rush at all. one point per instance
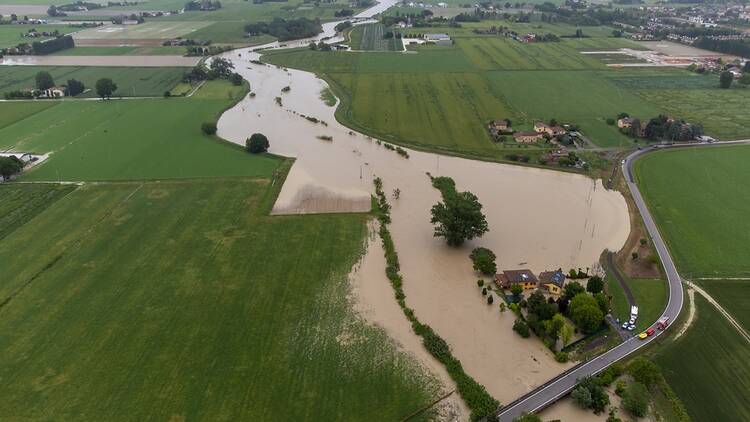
(662, 323)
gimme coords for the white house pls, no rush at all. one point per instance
(439, 39)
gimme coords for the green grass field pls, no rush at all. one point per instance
(150, 30)
(11, 113)
(10, 35)
(732, 295)
(138, 81)
(370, 37)
(709, 368)
(650, 297)
(136, 139)
(183, 300)
(122, 51)
(698, 199)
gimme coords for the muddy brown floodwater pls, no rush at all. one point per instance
(539, 219)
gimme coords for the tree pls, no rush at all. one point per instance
(75, 87)
(484, 261)
(220, 68)
(745, 78)
(582, 397)
(105, 87)
(746, 67)
(573, 288)
(635, 399)
(490, 300)
(644, 371)
(44, 80)
(209, 128)
(516, 290)
(586, 313)
(10, 166)
(257, 143)
(596, 398)
(725, 79)
(502, 307)
(235, 79)
(602, 301)
(459, 218)
(595, 284)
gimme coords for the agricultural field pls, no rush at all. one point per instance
(131, 81)
(230, 32)
(148, 30)
(494, 54)
(136, 139)
(122, 51)
(10, 35)
(21, 204)
(698, 200)
(15, 112)
(141, 300)
(371, 37)
(732, 295)
(710, 363)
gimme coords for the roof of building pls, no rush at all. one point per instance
(436, 36)
(516, 276)
(526, 133)
(540, 124)
(554, 277)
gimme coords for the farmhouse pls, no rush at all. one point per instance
(524, 278)
(625, 122)
(439, 39)
(527, 137)
(499, 125)
(552, 281)
(541, 127)
(54, 92)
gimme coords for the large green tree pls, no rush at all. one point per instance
(459, 218)
(635, 400)
(484, 261)
(725, 79)
(105, 87)
(585, 311)
(257, 143)
(44, 80)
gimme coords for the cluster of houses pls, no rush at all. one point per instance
(541, 131)
(553, 282)
(33, 33)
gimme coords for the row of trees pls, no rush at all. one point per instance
(284, 29)
(45, 81)
(53, 45)
(220, 68)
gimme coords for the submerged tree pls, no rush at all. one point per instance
(257, 143)
(459, 218)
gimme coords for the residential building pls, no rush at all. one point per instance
(552, 281)
(439, 39)
(541, 127)
(524, 278)
(54, 92)
(625, 122)
(527, 137)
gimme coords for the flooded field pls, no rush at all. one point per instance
(539, 219)
(116, 61)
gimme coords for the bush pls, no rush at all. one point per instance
(644, 371)
(484, 291)
(561, 357)
(490, 300)
(635, 400)
(610, 121)
(521, 328)
(209, 128)
(257, 143)
(620, 388)
(484, 261)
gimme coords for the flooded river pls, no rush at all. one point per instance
(539, 219)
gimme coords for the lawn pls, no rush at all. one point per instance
(732, 295)
(10, 35)
(709, 368)
(371, 37)
(135, 139)
(650, 297)
(698, 199)
(138, 81)
(183, 300)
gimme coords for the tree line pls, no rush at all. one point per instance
(284, 29)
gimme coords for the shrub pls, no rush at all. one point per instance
(484, 261)
(209, 128)
(484, 291)
(610, 121)
(490, 300)
(561, 357)
(480, 282)
(620, 387)
(521, 328)
(644, 371)
(635, 400)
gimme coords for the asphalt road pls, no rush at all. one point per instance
(559, 386)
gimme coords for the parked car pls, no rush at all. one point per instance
(650, 331)
(642, 335)
(631, 327)
(625, 325)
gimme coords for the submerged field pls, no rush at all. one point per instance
(131, 81)
(182, 300)
(135, 139)
(697, 197)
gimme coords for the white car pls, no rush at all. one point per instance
(631, 327)
(625, 326)
(622, 162)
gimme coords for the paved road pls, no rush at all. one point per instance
(558, 387)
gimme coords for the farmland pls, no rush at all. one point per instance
(710, 363)
(148, 30)
(370, 37)
(138, 139)
(732, 295)
(10, 35)
(184, 300)
(138, 81)
(695, 197)
(11, 113)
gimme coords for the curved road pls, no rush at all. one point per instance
(559, 386)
